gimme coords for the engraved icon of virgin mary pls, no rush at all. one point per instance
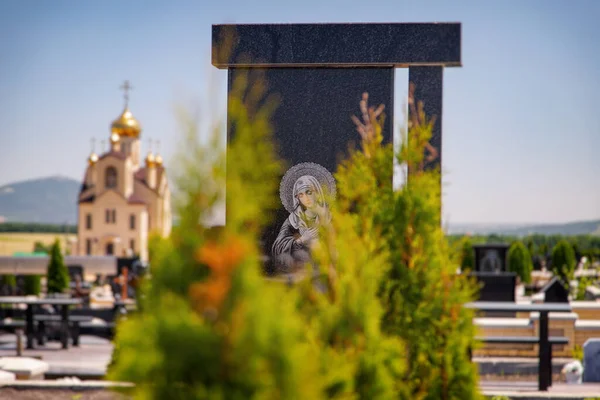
(302, 195)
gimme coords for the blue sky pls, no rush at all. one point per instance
(521, 122)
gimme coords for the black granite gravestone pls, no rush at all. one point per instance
(555, 291)
(319, 73)
(496, 287)
(491, 257)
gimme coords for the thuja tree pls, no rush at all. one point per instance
(467, 258)
(57, 274)
(422, 295)
(342, 308)
(519, 261)
(212, 326)
(563, 261)
(32, 284)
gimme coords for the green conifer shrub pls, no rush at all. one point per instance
(563, 261)
(57, 274)
(10, 281)
(383, 319)
(422, 295)
(467, 255)
(519, 261)
(213, 327)
(32, 285)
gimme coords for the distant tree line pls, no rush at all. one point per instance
(27, 227)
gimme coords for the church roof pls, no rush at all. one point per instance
(88, 199)
(116, 154)
(135, 199)
(140, 174)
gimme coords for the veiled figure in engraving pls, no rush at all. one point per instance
(299, 233)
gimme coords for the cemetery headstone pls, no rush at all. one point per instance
(591, 360)
(555, 291)
(319, 73)
(496, 287)
(491, 257)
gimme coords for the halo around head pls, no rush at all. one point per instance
(286, 187)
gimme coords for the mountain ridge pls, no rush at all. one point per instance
(45, 200)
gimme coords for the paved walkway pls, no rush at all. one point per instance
(90, 358)
(529, 390)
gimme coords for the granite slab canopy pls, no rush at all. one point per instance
(339, 45)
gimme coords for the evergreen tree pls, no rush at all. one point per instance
(422, 295)
(213, 327)
(383, 318)
(57, 273)
(10, 281)
(531, 247)
(519, 261)
(563, 261)
(32, 285)
(467, 255)
(358, 359)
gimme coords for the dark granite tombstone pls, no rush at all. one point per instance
(496, 287)
(555, 291)
(491, 257)
(319, 73)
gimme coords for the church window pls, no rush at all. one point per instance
(110, 216)
(132, 221)
(88, 221)
(132, 245)
(111, 178)
(88, 246)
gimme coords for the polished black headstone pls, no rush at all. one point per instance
(555, 291)
(427, 83)
(312, 120)
(491, 257)
(496, 287)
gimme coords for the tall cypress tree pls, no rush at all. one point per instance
(467, 255)
(519, 261)
(563, 261)
(57, 273)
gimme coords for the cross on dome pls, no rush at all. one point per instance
(126, 88)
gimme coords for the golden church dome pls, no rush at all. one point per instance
(150, 160)
(93, 158)
(126, 125)
(158, 160)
